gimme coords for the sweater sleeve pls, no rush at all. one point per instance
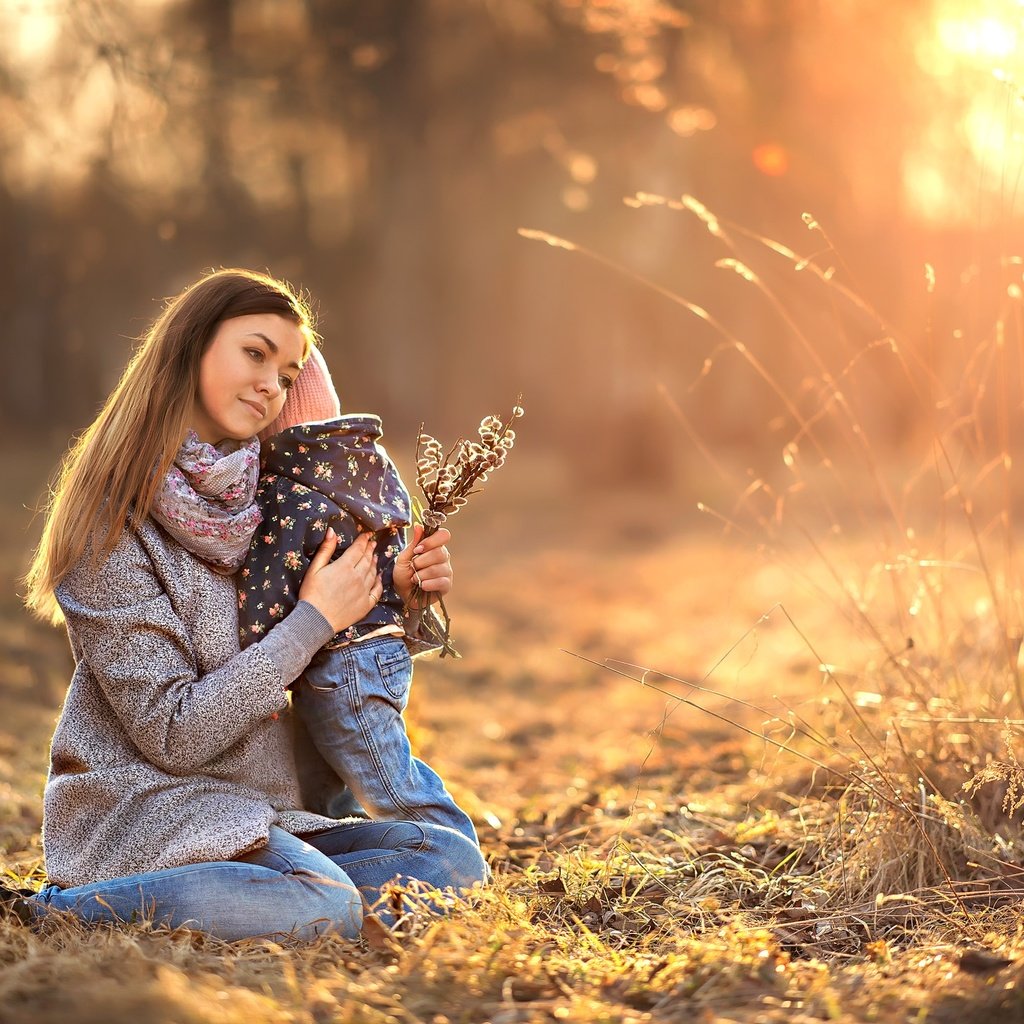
(294, 640)
(123, 626)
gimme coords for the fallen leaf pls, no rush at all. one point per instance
(378, 936)
(979, 961)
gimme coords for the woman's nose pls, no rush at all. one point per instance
(270, 386)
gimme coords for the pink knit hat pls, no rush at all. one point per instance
(312, 397)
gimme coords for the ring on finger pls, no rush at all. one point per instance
(416, 578)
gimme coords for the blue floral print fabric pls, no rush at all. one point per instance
(315, 475)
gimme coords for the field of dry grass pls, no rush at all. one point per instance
(656, 859)
(756, 762)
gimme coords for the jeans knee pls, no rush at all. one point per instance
(461, 856)
(469, 866)
(340, 911)
(347, 916)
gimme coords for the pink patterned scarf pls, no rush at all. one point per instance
(207, 500)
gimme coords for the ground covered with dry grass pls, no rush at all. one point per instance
(688, 816)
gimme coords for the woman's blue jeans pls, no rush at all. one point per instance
(297, 887)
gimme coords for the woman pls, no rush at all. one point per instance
(172, 789)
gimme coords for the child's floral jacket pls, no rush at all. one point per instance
(315, 475)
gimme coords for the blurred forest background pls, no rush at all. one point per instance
(387, 156)
(383, 154)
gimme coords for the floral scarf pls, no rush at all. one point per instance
(206, 501)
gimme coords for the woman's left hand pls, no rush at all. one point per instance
(426, 563)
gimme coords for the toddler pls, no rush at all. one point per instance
(321, 469)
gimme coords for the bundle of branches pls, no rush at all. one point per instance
(446, 481)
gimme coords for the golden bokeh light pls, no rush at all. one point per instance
(771, 159)
(690, 119)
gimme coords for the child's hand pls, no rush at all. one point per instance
(425, 563)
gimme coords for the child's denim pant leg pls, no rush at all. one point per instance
(351, 702)
(428, 861)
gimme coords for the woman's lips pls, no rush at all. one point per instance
(259, 410)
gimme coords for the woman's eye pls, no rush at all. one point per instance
(256, 353)
(286, 382)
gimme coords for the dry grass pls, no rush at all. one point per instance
(774, 778)
(653, 862)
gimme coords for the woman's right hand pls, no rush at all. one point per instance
(343, 591)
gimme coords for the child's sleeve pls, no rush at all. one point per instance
(280, 553)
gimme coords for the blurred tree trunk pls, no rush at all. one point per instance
(29, 291)
(229, 221)
(214, 20)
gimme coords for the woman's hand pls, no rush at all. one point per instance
(426, 563)
(343, 591)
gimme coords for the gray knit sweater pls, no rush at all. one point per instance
(168, 751)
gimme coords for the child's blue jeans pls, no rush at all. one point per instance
(350, 701)
(299, 887)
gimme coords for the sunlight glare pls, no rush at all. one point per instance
(927, 192)
(962, 48)
(987, 38)
(30, 32)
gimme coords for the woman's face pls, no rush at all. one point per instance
(244, 376)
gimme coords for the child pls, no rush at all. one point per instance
(320, 469)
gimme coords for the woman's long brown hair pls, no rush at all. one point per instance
(113, 469)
